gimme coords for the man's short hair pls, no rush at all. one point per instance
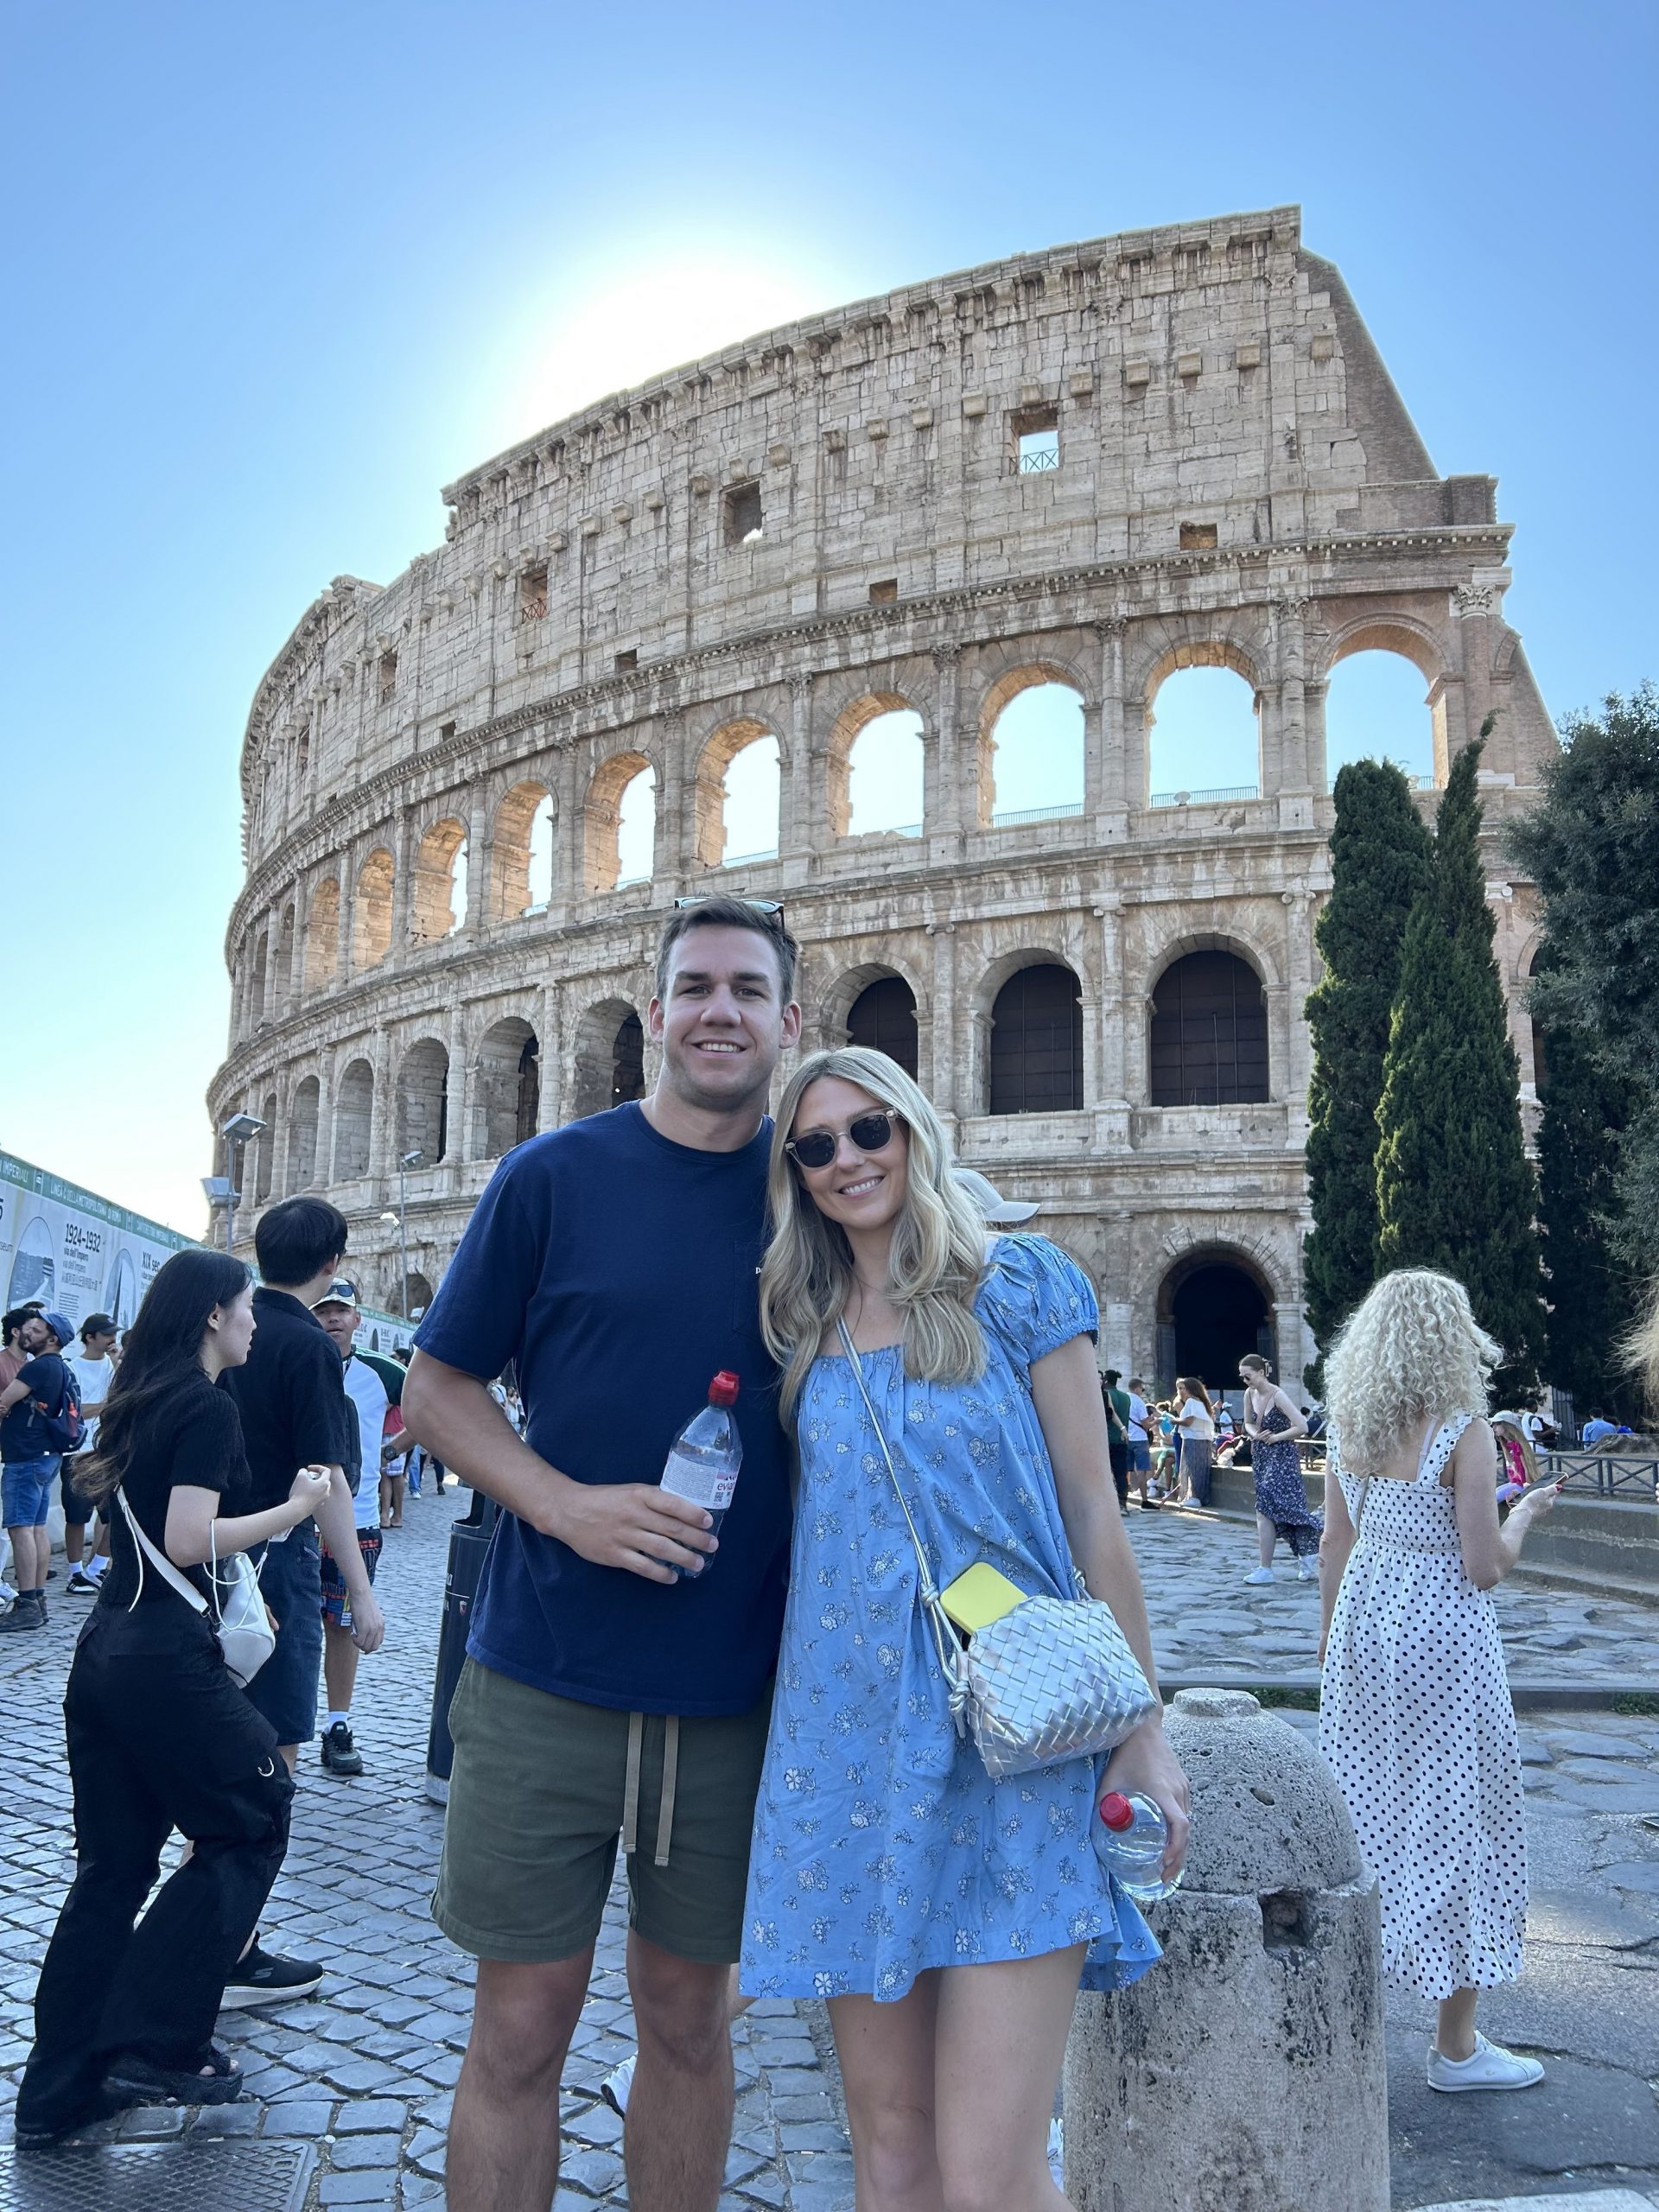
(1112, 1376)
(19, 1314)
(298, 1239)
(723, 913)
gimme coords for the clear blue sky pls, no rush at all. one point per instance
(275, 275)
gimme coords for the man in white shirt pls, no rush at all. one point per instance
(93, 1369)
(1139, 1440)
(338, 1311)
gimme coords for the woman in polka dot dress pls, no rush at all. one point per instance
(1416, 1719)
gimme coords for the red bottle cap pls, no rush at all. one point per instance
(1116, 1811)
(722, 1391)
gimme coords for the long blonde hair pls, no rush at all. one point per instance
(1411, 1348)
(939, 1239)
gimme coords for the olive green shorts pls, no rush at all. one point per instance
(545, 1788)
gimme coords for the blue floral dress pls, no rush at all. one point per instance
(882, 1847)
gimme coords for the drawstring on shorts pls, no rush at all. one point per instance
(631, 1788)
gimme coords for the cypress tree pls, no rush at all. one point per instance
(1380, 865)
(1454, 1187)
(1587, 1110)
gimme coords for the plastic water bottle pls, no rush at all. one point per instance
(1130, 1833)
(705, 1457)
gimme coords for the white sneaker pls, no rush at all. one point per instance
(1306, 1571)
(617, 2083)
(1490, 2067)
(1262, 1574)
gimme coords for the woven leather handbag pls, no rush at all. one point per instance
(1053, 1679)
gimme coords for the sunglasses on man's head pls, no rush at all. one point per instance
(870, 1133)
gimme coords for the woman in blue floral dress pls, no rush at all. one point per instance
(947, 1918)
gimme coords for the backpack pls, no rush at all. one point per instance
(66, 1430)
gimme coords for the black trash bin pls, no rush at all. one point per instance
(468, 1541)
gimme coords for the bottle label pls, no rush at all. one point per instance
(712, 1488)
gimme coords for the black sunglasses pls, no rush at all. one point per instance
(870, 1132)
(771, 908)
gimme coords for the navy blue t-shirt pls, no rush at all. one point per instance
(616, 1269)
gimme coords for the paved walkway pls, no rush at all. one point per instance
(366, 2070)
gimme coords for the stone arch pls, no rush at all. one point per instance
(1242, 942)
(883, 1016)
(264, 1152)
(836, 1001)
(353, 1120)
(302, 1112)
(323, 936)
(417, 1294)
(507, 1088)
(601, 817)
(1031, 1013)
(861, 715)
(608, 1066)
(371, 913)
(1393, 632)
(439, 906)
(709, 799)
(1028, 676)
(1170, 766)
(1214, 1301)
(522, 817)
(1413, 645)
(284, 979)
(1207, 1032)
(423, 1100)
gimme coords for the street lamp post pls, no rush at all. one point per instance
(414, 1159)
(239, 1132)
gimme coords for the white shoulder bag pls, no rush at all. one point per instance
(240, 1621)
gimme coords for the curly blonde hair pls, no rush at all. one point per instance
(1412, 1347)
(939, 1239)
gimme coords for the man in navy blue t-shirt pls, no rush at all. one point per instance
(619, 1667)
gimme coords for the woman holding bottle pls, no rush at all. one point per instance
(947, 1918)
(159, 1735)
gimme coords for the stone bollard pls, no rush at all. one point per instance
(1245, 2072)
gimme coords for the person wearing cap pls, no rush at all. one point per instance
(94, 1371)
(30, 1459)
(339, 1311)
(999, 1212)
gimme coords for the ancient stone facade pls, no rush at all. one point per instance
(1091, 467)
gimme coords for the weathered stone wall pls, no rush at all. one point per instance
(1238, 485)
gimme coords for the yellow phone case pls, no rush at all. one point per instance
(979, 1596)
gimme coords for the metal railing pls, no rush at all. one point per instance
(1012, 821)
(748, 860)
(1034, 463)
(1205, 798)
(1609, 1473)
(1414, 782)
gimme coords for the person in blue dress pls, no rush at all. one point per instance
(947, 1918)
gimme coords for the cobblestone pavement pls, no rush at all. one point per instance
(366, 2069)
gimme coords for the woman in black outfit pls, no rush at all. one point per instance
(159, 1735)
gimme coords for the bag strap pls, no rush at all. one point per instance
(159, 1561)
(945, 1636)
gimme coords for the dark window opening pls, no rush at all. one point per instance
(1209, 1044)
(628, 1062)
(445, 731)
(1037, 1043)
(884, 593)
(1198, 537)
(528, 1105)
(883, 1018)
(627, 660)
(388, 677)
(743, 521)
(1036, 440)
(532, 595)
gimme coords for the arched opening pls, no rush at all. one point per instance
(610, 1058)
(257, 992)
(1033, 751)
(353, 1120)
(883, 1017)
(264, 1152)
(417, 1294)
(876, 769)
(1204, 731)
(509, 1088)
(372, 916)
(1376, 709)
(521, 853)
(1539, 1050)
(1036, 1057)
(424, 1101)
(440, 907)
(323, 936)
(738, 794)
(620, 824)
(302, 1135)
(1212, 1309)
(284, 993)
(1208, 1037)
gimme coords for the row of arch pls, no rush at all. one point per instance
(1032, 767)
(1207, 1045)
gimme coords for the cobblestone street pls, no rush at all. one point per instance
(365, 2071)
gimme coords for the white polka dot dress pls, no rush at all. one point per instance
(1416, 1723)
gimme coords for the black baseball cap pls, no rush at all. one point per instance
(99, 1325)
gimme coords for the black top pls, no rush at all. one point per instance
(193, 1439)
(291, 1395)
(23, 1433)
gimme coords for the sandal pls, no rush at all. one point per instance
(139, 2079)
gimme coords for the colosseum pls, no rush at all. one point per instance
(845, 552)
